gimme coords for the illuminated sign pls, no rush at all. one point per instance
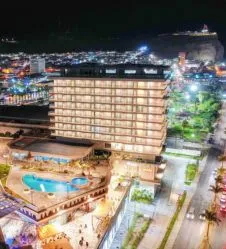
(110, 71)
(150, 71)
(131, 71)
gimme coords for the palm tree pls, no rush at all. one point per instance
(218, 180)
(184, 125)
(211, 218)
(216, 189)
(220, 171)
(221, 159)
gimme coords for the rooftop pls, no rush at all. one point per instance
(49, 147)
(131, 71)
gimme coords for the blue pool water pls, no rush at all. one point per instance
(47, 185)
(80, 181)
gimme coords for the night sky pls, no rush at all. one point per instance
(102, 19)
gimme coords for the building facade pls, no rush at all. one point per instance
(125, 109)
(37, 65)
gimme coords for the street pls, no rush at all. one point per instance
(191, 231)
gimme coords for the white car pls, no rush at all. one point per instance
(214, 172)
(202, 215)
(223, 199)
(190, 214)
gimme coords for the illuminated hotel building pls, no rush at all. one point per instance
(122, 106)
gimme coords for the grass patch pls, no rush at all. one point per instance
(182, 155)
(142, 195)
(136, 231)
(190, 173)
(4, 171)
(173, 220)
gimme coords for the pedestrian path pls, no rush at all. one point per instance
(123, 229)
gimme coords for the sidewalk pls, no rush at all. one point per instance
(190, 193)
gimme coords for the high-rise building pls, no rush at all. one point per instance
(182, 58)
(37, 65)
(122, 106)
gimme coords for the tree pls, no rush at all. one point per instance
(218, 180)
(220, 172)
(216, 189)
(184, 125)
(221, 159)
(211, 218)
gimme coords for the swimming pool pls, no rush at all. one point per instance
(80, 181)
(48, 185)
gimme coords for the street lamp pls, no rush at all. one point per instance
(194, 88)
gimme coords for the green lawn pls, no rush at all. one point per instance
(4, 171)
(142, 195)
(190, 173)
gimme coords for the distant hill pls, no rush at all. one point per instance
(197, 47)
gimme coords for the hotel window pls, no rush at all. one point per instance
(116, 146)
(129, 84)
(141, 93)
(107, 114)
(141, 108)
(141, 133)
(59, 96)
(140, 125)
(130, 92)
(95, 129)
(117, 114)
(128, 147)
(138, 148)
(141, 84)
(142, 101)
(119, 84)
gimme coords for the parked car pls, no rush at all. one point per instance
(190, 213)
(223, 199)
(202, 215)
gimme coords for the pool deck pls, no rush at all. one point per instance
(40, 199)
(14, 226)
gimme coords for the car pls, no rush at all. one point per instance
(202, 215)
(190, 213)
(223, 199)
(214, 173)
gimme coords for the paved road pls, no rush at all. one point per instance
(191, 231)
